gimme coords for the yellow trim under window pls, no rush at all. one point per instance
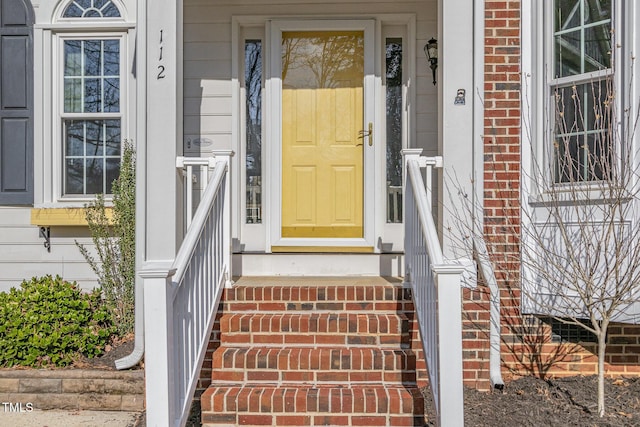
(62, 216)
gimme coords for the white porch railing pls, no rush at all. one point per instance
(194, 181)
(436, 287)
(394, 203)
(181, 300)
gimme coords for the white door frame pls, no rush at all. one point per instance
(274, 132)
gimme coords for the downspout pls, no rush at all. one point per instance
(482, 258)
(138, 350)
(480, 248)
(140, 71)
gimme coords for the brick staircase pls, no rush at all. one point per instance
(314, 351)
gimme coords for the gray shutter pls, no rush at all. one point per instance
(16, 103)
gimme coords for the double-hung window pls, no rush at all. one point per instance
(91, 106)
(580, 88)
(91, 116)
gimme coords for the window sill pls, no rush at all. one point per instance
(583, 193)
(68, 217)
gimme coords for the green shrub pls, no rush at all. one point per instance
(48, 322)
(114, 244)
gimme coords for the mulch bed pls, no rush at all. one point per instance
(119, 348)
(568, 401)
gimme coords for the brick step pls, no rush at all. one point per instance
(313, 365)
(314, 351)
(316, 294)
(271, 405)
(318, 329)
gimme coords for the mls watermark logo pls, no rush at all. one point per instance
(18, 407)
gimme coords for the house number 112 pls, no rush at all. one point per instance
(161, 68)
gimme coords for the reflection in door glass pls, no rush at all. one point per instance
(394, 128)
(253, 163)
(313, 60)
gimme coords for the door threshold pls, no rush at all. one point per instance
(323, 249)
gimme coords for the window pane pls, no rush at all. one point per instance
(567, 14)
(93, 138)
(253, 90)
(72, 58)
(92, 96)
(112, 57)
(73, 11)
(89, 146)
(111, 95)
(113, 170)
(596, 11)
(568, 56)
(583, 149)
(74, 176)
(74, 141)
(394, 129)
(582, 36)
(72, 95)
(598, 156)
(113, 137)
(568, 110)
(567, 159)
(92, 56)
(111, 11)
(95, 176)
(85, 4)
(597, 47)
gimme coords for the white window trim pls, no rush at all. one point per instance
(537, 82)
(393, 233)
(58, 106)
(48, 102)
(254, 234)
(58, 114)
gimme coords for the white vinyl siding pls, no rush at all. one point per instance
(23, 255)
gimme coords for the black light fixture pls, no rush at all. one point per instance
(431, 50)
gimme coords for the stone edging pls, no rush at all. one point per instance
(73, 389)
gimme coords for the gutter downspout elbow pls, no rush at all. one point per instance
(138, 350)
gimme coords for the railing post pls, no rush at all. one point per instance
(449, 283)
(159, 363)
(225, 155)
(407, 154)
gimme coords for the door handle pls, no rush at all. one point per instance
(367, 133)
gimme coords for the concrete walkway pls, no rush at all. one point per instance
(57, 418)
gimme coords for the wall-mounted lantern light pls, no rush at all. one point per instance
(431, 50)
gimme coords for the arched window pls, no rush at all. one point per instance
(91, 9)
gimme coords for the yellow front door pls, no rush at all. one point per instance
(322, 116)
